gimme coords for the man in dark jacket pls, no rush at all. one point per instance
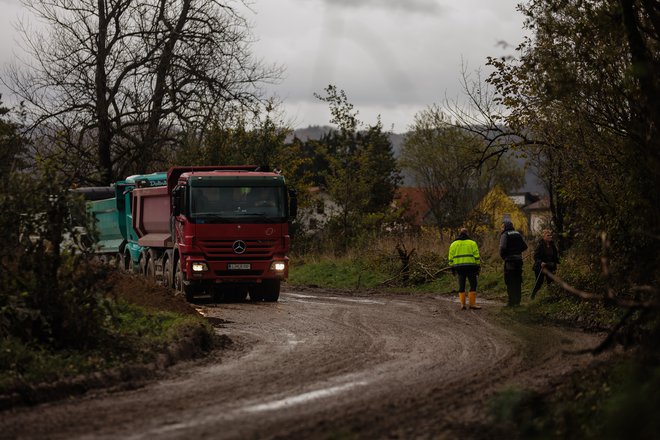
(512, 245)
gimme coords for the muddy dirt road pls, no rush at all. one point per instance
(322, 364)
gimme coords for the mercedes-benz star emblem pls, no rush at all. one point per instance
(239, 246)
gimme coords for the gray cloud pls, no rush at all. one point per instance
(422, 6)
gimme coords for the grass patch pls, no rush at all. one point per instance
(339, 273)
(376, 272)
(133, 335)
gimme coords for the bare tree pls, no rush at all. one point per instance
(114, 82)
(449, 163)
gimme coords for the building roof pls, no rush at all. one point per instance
(542, 204)
(413, 198)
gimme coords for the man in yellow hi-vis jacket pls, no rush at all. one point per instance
(465, 263)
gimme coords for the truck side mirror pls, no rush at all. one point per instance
(176, 201)
(293, 203)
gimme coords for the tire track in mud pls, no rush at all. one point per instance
(314, 364)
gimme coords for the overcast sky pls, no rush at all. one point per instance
(391, 57)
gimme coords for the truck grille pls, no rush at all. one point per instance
(222, 250)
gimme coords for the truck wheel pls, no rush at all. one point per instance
(256, 294)
(151, 269)
(131, 264)
(168, 273)
(231, 294)
(124, 262)
(180, 287)
(268, 290)
(142, 265)
(271, 290)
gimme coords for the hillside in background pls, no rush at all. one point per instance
(532, 183)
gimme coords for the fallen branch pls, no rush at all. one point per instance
(444, 269)
(628, 303)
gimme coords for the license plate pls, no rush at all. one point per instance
(238, 266)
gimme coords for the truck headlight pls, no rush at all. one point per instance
(278, 266)
(199, 266)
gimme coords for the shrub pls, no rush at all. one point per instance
(48, 287)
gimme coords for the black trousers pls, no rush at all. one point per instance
(513, 281)
(540, 279)
(469, 273)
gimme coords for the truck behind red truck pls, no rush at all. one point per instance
(220, 230)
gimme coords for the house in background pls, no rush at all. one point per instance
(523, 199)
(417, 211)
(321, 208)
(497, 206)
(540, 215)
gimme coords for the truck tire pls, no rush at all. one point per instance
(268, 290)
(187, 291)
(131, 264)
(229, 294)
(142, 264)
(271, 290)
(124, 262)
(151, 268)
(256, 294)
(167, 273)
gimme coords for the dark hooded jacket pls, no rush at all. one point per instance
(512, 245)
(546, 254)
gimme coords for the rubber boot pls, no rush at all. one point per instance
(461, 297)
(473, 300)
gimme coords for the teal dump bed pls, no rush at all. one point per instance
(123, 196)
(107, 225)
(132, 250)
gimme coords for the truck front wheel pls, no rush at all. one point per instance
(168, 280)
(179, 285)
(268, 290)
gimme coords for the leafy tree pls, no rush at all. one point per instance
(362, 174)
(254, 136)
(114, 82)
(442, 159)
(585, 85)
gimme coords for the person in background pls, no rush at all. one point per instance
(465, 262)
(512, 245)
(546, 257)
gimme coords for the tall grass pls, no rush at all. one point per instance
(377, 262)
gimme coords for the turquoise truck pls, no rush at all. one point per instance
(111, 207)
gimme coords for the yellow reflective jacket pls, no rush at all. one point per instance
(464, 252)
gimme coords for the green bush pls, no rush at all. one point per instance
(49, 291)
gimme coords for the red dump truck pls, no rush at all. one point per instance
(218, 230)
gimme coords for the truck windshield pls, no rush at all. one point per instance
(237, 203)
